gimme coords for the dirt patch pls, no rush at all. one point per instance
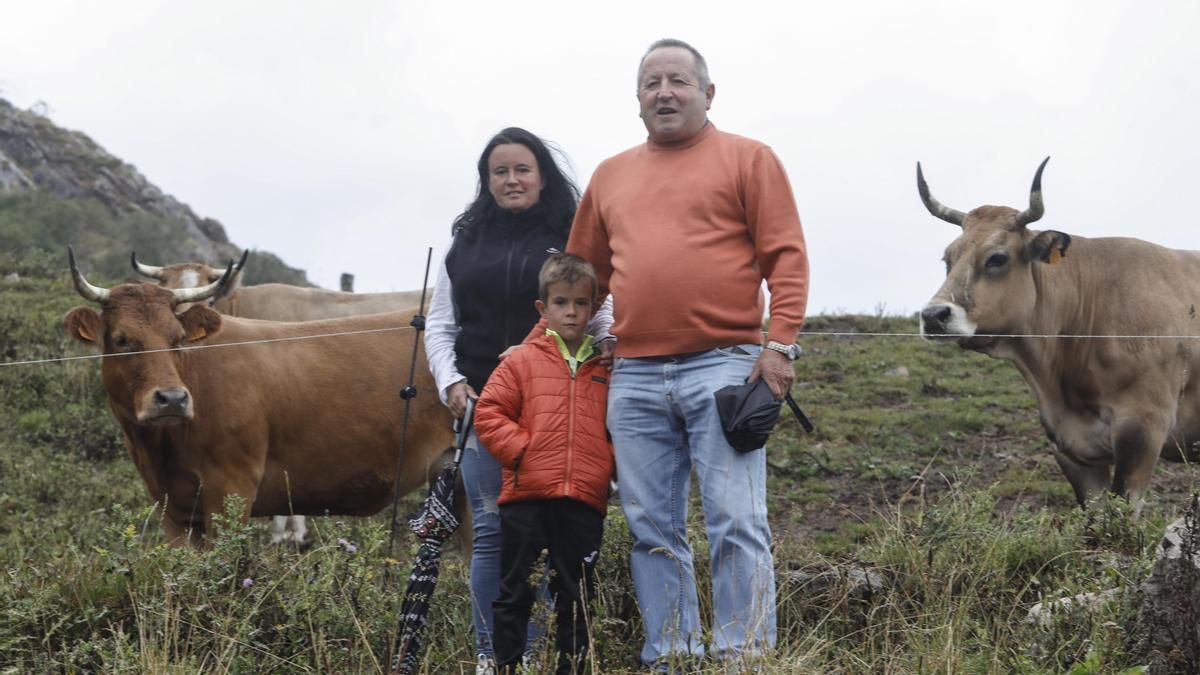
(981, 462)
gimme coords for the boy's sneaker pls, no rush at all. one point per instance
(485, 664)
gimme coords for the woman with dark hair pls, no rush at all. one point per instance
(483, 304)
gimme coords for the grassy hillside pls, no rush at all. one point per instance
(42, 225)
(928, 470)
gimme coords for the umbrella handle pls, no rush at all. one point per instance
(462, 428)
(800, 416)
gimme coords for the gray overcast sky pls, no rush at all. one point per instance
(343, 135)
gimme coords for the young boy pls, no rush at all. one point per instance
(542, 415)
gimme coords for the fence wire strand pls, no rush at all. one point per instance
(188, 348)
(801, 336)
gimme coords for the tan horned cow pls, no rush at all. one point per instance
(1110, 405)
(306, 426)
(277, 302)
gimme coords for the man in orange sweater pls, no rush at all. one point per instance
(542, 415)
(682, 230)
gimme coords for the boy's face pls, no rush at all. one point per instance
(567, 308)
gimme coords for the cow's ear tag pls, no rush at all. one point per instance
(1056, 255)
(197, 333)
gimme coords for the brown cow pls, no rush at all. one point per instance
(278, 302)
(293, 425)
(1110, 405)
(275, 302)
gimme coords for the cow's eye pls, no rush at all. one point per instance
(996, 261)
(119, 342)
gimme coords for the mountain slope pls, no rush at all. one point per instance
(59, 187)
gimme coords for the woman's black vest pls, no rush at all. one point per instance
(493, 268)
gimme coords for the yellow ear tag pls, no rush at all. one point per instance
(198, 333)
(1055, 255)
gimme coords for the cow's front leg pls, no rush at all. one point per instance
(180, 533)
(213, 499)
(1088, 480)
(1137, 442)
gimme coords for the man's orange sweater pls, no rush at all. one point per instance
(683, 235)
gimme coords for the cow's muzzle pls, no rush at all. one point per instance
(934, 319)
(169, 405)
(946, 319)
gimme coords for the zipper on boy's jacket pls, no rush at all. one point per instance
(570, 433)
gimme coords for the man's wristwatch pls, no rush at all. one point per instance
(790, 351)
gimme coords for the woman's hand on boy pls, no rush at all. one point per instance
(607, 347)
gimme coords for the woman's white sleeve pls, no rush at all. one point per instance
(602, 321)
(441, 332)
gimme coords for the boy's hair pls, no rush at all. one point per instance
(566, 267)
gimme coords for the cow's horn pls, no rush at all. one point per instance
(237, 267)
(183, 295)
(145, 270)
(1036, 207)
(241, 263)
(88, 291)
(935, 207)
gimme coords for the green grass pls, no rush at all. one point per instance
(937, 478)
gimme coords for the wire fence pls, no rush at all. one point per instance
(87, 357)
(187, 348)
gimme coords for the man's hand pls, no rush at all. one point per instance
(456, 398)
(777, 370)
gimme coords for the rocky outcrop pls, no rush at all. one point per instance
(1166, 635)
(37, 155)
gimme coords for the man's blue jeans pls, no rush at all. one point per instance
(664, 423)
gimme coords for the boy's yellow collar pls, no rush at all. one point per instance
(585, 348)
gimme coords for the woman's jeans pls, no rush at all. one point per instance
(481, 477)
(664, 423)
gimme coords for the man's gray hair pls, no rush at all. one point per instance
(701, 64)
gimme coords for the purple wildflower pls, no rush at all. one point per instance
(247, 582)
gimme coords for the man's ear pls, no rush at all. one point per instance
(199, 322)
(709, 92)
(83, 324)
(1048, 247)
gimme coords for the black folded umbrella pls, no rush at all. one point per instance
(433, 524)
(749, 413)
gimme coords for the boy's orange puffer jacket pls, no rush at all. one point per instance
(546, 428)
